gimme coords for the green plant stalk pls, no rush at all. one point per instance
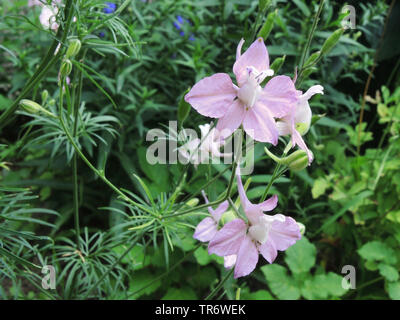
(310, 37)
(219, 286)
(47, 62)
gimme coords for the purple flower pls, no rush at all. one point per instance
(110, 7)
(102, 34)
(179, 25)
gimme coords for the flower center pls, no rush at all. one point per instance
(248, 93)
(260, 231)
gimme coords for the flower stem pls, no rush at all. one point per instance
(219, 286)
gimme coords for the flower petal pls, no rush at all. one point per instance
(268, 204)
(311, 91)
(227, 241)
(205, 230)
(298, 139)
(253, 213)
(255, 56)
(229, 261)
(212, 96)
(232, 119)
(268, 251)
(220, 210)
(247, 258)
(260, 125)
(278, 96)
(284, 234)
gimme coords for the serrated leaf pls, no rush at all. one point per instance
(282, 285)
(301, 256)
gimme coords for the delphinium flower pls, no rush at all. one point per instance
(207, 148)
(208, 227)
(179, 24)
(297, 122)
(249, 104)
(48, 17)
(241, 242)
(110, 7)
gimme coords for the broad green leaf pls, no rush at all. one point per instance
(184, 293)
(389, 272)
(301, 256)
(319, 187)
(376, 250)
(394, 290)
(141, 280)
(282, 285)
(202, 256)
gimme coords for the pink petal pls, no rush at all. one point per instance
(284, 234)
(255, 56)
(220, 210)
(205, 230)
(232, 119)
(311, 91)
(268, 204)
(260, 125)
(212, 96)
(279, 96)
(247, 258)
(229, 261)
(252, 211)
(227, 241)
(298, 139)
(268, 251)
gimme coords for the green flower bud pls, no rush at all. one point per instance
(66, 68)
(268, 25)
(30, 106)
(331, 41)
(302, 228)
(313, 58)
(297, 161)
(192, 202)
(277, 64)
(45, 95)
(73, 48)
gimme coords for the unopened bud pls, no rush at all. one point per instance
(297, 161)
(45, 95)
(267, 26)
(73, 48)
(66, 68)
(302, 228)
(30, 106)
(192, 202)
(311, 60)
(277, 64)
(331, 41)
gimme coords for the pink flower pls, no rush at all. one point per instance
(48, 17)
(248, 104)
(265, 234)
(298, 122)
(208, 227)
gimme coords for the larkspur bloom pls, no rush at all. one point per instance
(297, 122)
(207, 148)
(247, 104)
(179, 23)
(48, 17)
(110, 7)
(208, 227)
(241, 243)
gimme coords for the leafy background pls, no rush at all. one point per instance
(134, 79)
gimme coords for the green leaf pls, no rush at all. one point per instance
(185, 293)
(389, 272)
(258, 295)
(202, 256)
(301, 256)
(183, 109)
(141, 279)
(394, 290)
(376, 250)
(280, 283)
(319, 187)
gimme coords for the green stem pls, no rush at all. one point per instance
(219, 286)
(47, 62)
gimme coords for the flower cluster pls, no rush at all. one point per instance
(277, 109)
(179, 25)
(265, 113)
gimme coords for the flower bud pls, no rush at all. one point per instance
(313, 58)
(267, 26)
(66, 68)
(277, 64)
(30, 106)
(45, 95)
(73, 48)
(302, 228)
(331, 41)
(297, 161)
(192, 202)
